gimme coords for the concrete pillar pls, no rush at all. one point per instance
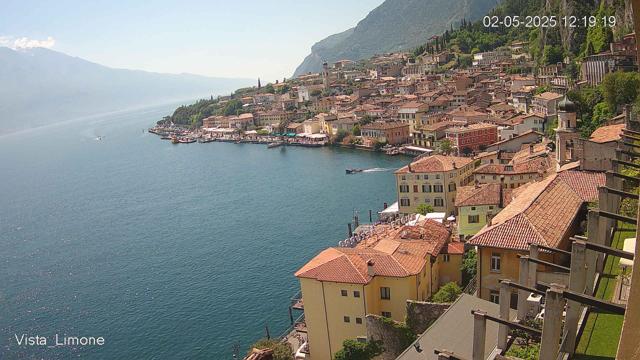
(479, 334)
(552, 325)
(591, 256)
(603, 239)
(606, 202)
(503, 330)
(577, 282)
(523, 305)
(534, 252)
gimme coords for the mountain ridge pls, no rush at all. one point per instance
(43, 86)
(395, 25)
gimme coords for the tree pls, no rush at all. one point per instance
(424, 209)
(445, 146)
(620, 88)
(553, 54)
(340, 135)
(281, 351)
(469, 266)
(356, 130)
(355, 350)
(447, 293)
(601, 113)
(269, 89)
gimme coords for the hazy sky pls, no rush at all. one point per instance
(248, 38)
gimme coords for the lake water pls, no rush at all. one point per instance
(167, 251)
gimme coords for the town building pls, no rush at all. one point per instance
(547, 213)
(477, 204)
(411, 113)
(393, 133)
(342, 285)
(432, 181)
(472, 138)
(545, 104)
(519, 125)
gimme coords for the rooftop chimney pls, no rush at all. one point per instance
(410, 167)
(531, 148)
(370, 271)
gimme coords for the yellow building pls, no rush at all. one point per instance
(546, 212)
(340, 286)
(477, 205)
(433, 181)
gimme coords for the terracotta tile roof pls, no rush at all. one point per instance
(455, 248)
(393, 251)
(548, 95)
(607, 133)
(542, 212)
(435, 163)
(484, 194)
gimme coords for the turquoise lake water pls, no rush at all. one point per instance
(167, 251)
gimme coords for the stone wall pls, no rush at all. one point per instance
(420, 315)
(395, 336)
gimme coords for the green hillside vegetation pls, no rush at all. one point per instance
(545, 45)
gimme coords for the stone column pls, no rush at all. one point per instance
(503, 330)
(577, 281)
(591, 256)
(523, 305)
(534, 252)
(552, 325)
(479, 335)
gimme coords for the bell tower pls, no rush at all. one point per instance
(325, 75)
(567, 136)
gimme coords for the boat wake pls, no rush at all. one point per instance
(377, 170)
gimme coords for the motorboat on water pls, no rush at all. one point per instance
(274, 144)
(354, 171)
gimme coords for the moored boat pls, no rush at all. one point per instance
(353, 171)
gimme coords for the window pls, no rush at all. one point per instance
(347, 319)
(358, 320)
(343, 292)
(386, 314)
(437, 176)
(494, 296)
(356, 294)
(426, 188)
(415, 188)
(403, 177)
(438, 202)
(474, 219)
(445, 257)
(452, 187)
(495, 262)
(473, 208)
(405, 202)
(385, 293)
(438, 188)
(404, 188)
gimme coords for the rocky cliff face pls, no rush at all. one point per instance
(393, 26)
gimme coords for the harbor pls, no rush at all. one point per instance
(181, 135)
